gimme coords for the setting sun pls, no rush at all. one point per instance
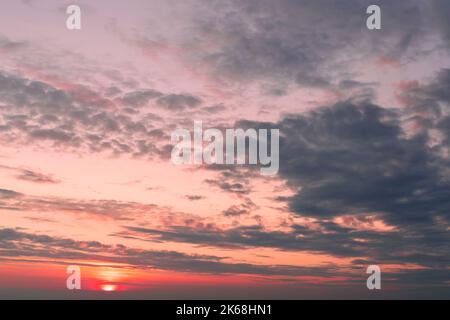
(109, 287)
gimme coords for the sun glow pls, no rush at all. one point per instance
(108, 287)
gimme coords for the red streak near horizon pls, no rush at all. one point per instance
(109, 287)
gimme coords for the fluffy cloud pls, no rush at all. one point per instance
(302, 41)
(33, 111)
(178, 102)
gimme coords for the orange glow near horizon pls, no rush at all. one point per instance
(109, 287)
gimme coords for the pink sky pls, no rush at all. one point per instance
(85, 174)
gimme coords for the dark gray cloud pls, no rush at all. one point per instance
(140, 98)
(428, 249)
(179, 102)
(427, 98)
(11, 46)
(215, 109)
(79, 117)
(439, 89)
(36, 177)
(302, 40)
(6, 194)
(441, 9)
(245, 208)
(112, 209)
(236, 187)
(235, 211)
(194, 197)
(352, 84)
(52, 134)
(360, 159)
(312, 81)
(18, 243)
(232, 179)
(23, 94)
(355, 159)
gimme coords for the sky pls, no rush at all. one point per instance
(86, 176)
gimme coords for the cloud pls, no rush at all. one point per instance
(17, 243)
(215, 109)
(439, 89)
(7, 194)
(441, 10)
(299, 239)
(234, 180)
(245, 208)
(77, 117)
(36, 177)
(194, 197)
(235, 211)
(179, 102)
(352, 159)
(306, 42)
(112, 209)
(237, 188)
(429, 248)
(354, 162)
(311, 81)
(140, 98)
(7, 45)
(359, 160)
(51, 134)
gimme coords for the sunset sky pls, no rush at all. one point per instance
(86, 178)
